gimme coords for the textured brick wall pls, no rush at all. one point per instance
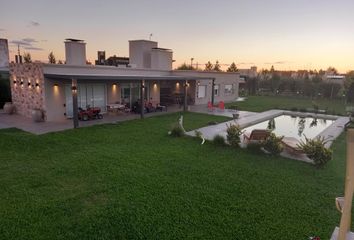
(27, 96)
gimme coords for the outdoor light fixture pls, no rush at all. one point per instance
(73, 88)
(55, 85)
(21, 82)
(29, 84)
(37, 84)
(14, 81)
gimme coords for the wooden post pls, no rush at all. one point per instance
(212, 91)
(345, 220)
(142, 95)
(75, 104)
(185, 85)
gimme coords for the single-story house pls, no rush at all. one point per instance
(58, 89)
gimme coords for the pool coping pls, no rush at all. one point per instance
(330, 133)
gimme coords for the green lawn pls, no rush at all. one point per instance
(263, 103)
(132, 181)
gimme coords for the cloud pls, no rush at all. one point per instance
(277, 62)
(34, 23)
(244, 63)
(20, 42)
(2, 29)
(27, 43)
(29, 40)
(34, 48)
(44, 40)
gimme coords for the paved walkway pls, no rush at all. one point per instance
(26, 124)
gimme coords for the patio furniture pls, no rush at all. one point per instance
(256, 135)
(221, 106)
(210, 107)
(291, 145)
(115, 108)
(161, 108)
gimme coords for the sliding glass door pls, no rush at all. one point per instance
(88, 95)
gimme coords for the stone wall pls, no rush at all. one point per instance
(27, 87)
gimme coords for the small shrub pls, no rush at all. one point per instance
(219, 140)
(255, 147)
(177, 131)
(212, 123)
(273, 144)
(315, 150)
(234, 107)
(234, 133)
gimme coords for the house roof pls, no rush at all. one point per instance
(122, 77)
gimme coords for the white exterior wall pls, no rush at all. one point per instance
(221, 79)
(75, 53)
(55, 99)
(140, 53)
(113, 92)
(4, 53)
(161, 59)
(154, 92)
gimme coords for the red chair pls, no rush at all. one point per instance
(222, 106)
(210, 107)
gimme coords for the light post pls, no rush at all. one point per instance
(192, 63)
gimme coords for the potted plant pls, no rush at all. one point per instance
(37, 115)
(9, 108)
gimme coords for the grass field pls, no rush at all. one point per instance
(263, 103)
(133, 181)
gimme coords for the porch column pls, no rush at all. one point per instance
(142, 95)
(75, 105)
(212, 91)
(185, 95)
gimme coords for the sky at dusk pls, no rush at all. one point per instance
(301, 34)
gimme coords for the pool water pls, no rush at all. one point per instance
(292, 126)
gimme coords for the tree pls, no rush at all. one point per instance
(349, 79)
(232, 68)
(217, 66)
(332, 70)
(184, 66)
(27, 57)
(51, 58)
(272, 70)
(350, 93)
(60, 62)
(208, 66)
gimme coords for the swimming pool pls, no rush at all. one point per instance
(293, 126)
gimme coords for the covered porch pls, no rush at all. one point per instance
(117, 96)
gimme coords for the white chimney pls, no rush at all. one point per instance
(4, 53)
(75, 52)
(140, 52)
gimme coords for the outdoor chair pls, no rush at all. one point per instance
(291, 145)
(256, 135)
(210, 107)
(221, 106)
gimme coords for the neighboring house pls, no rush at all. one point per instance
(51, 87)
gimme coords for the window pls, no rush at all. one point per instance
(216, 90)
(201, 91)
(228, 89)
